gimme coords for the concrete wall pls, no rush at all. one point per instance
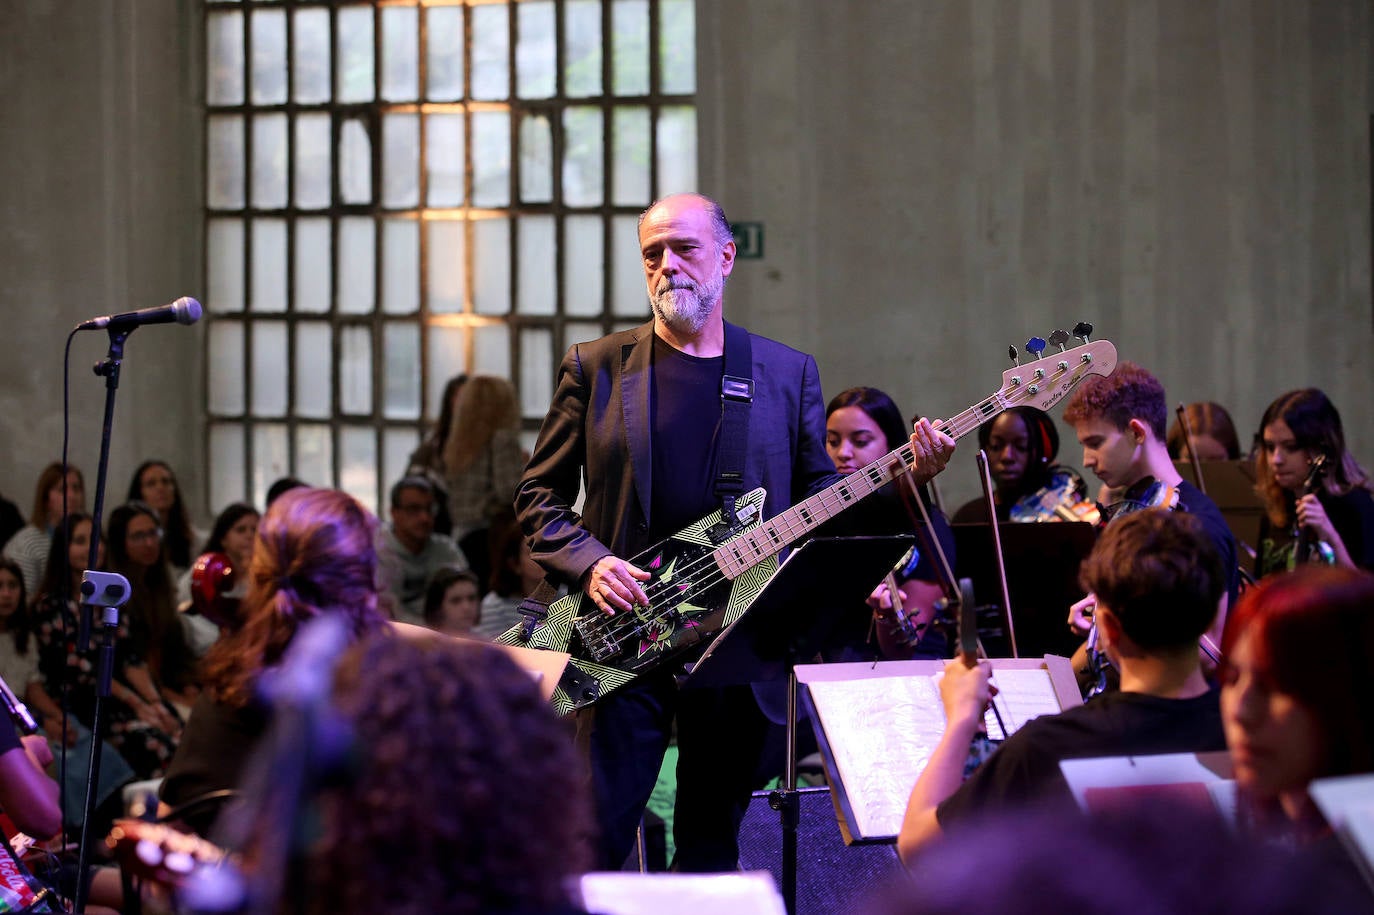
(100, 212)
(937, 179)
(941, 178)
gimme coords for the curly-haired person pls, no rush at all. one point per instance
(464, 783)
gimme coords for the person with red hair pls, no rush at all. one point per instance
(1297, 695)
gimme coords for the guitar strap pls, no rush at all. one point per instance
(736, 396)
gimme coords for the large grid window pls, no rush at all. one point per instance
(401, 190)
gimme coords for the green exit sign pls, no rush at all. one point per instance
(748, 239)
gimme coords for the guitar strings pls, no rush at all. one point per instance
(833, 499)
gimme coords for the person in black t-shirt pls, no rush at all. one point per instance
(1158, 581)
(1120, 422)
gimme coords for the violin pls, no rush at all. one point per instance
(1306, 547)
(216, 588)
(1063, 498)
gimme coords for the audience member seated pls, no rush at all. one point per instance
(1297, 695)
(428, 459)
(861, 425)
(156, 486)
(18, 651)
(1158, 581)
(482, 455)
(1338, 517)
(514, 576)
(29, 547)
(452, 602)
(488, 813)
(283, 485)
(315, 553)
(1213, 433)
(159, 632)
(233, 534)
(410, 550)
(1028, 485)
(139, 725)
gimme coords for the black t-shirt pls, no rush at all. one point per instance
(1025, 769)
(684, 407)
(1195, 502)
(1351, 514)
(215, 747)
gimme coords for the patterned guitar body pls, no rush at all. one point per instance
(690, 600)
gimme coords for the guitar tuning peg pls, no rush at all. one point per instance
(1035, 346)
(1059, 338)
(1083, 331)
(1013, 355)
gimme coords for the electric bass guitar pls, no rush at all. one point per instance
(704, 577)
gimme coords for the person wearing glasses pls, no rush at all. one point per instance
(409, 549)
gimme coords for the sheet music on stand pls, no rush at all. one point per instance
(877, 725)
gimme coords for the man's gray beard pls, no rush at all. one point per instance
(685, 310)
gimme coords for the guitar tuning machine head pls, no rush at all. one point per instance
(1013, 355)
(1083, 331)
(1059, 338)
(1035, 346)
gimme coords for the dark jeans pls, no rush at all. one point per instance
(720, 738)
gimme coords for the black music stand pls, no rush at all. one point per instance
(786, 625)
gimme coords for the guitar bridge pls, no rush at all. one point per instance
(595, 639)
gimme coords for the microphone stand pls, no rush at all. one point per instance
(109, 598)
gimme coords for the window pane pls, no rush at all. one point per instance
(397, 444)
(314, 377)
(536, 159)
(357, 265)
(269, 161)
(224, 179)
(677, 150)
(677, 47)
(446, 277)
(355, 67)
(269, 57)
(444, 44)
(225, 348)
(447, 357)
(535, 56)
(224, 58)
(536, 382)
(268, 360)
(630, 47)
(400, 266)
(314, 277)
(224, 265)
(581, 332)
(312, 161)
(271, 458)
(355, 162)
(490, 158)
(228, 478)
(400, 53)
(629, 294)
(582, 48)
(491, 266)
(536, 259)
(358, 464)
(400, 160)
(631, 157)
(444, 159)
(492, 344)
(269, 265)
(355, 370)
(314, 455)
(310, 56)
(583, 178)
(490, 53)
(584, 265)
(401, 364)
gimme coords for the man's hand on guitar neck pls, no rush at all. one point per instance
(932, 450)
(613, 585)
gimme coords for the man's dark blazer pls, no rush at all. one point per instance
(599, 420)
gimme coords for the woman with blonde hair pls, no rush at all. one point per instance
(482, 462)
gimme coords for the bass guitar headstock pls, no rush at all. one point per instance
(1047, 380)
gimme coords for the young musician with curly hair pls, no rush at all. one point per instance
(1297, 429)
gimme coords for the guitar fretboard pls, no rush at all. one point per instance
(738, 555)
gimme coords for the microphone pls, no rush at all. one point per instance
(184, 310)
